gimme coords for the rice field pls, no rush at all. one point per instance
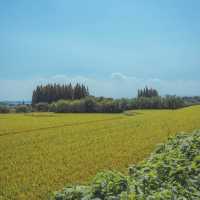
(43, 152)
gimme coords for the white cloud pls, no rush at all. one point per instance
(118, 76)
(117, 85)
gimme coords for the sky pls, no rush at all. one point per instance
(113, 46)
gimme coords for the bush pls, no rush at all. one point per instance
(76, 106)
(88, 105)
(52, 107)
(63, 106)
(22, 109)
(171, 172)
(41, 107)
(4, 109)
(104, 185)
(74, 193)
(108, 184)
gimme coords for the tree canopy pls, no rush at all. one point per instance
(147, 92)
(54, 92)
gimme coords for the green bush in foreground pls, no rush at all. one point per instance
(171, 172)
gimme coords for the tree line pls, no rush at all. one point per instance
(157, 102)
(68, 98)
(54, 92)
(147, 92)
(147, 98)
(109, 105)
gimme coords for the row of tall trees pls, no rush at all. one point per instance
(77, 99)
(148, 98)
(147, 92)
(54, 92)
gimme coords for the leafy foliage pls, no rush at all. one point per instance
(171, 172)
(87, 105)
(41, 107)
(109, 105)
(106, 185)
(23, 109)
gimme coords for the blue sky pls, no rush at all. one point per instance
(119, 43)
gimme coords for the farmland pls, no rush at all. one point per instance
(42, 152)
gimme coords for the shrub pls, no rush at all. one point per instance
(41, 107)
(63, 106)
(52, 107)
(108, 184)
(76, 106)
(73, 193)
(22, 109)
(104, 185)
(4, 109)
(89, 105)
